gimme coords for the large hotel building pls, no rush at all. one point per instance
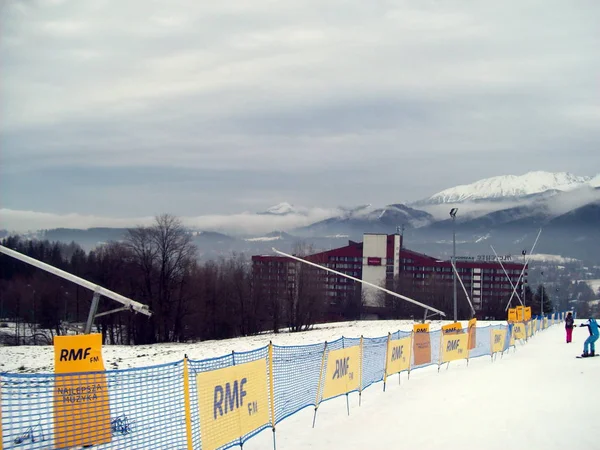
(380, 259)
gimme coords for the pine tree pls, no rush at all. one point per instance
(537, 301)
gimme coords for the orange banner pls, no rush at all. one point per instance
(520, 313)
(81, 404)
(421, 344)
(472, 333)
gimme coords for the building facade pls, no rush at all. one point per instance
(381, 260)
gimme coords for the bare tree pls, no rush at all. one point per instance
(306, 296)
(164, 254)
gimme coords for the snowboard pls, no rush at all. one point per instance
(585, 357)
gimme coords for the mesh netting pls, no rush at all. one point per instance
(483, 344)
(373, 362)
(296, 371)
(230, 392)
(145, 409)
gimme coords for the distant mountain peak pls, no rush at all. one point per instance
(509, 187)
(281, 209)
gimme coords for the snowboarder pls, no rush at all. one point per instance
(590, 341)
(569, 323)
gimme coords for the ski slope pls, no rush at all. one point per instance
(538, 396)
(535, 396)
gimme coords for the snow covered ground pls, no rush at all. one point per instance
(537, 396)
(27, 359)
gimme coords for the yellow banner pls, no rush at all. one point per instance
(421, 344)
(512, 315)
(452, 328)
(519, 331)
(529, 329)
(527, 313)
(472, 327)
(398, 355)
(512, 337)
(81, 403)
(498, 338)
(233, 402)
(545, 322)
(343, 371)
(520, 313)
(454, 346)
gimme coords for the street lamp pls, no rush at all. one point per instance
(453, 212)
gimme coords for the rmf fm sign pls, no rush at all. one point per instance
(455, 346)
(233, 402)
(81, 402)
(343, 371)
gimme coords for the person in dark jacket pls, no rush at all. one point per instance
(569, 324)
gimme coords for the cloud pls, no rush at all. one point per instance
(234, 224)
(337, 102)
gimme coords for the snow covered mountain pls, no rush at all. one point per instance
(281, 209)
(354, 222)
(510, 187)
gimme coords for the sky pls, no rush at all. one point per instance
(113, 112)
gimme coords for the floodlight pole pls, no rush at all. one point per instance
(524, 252)
(542, 305)
(453, 212)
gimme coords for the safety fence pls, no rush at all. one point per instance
(222, 402)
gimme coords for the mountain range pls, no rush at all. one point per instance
(503, 211)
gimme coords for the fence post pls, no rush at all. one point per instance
(492, 342)
(412, 352)
(440, 352)
(319, 385)
(1, 414)
(186, 397)
(361, 371)
(387, 349)
(272, 392)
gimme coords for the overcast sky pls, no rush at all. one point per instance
(133, 108)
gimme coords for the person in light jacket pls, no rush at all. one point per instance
(569, 324)
(590, 342)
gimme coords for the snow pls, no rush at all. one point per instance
(281, 209)
(544, 257)
(41, 358)
(263, 239)
(510, 186)
(535, 396)
(593, 284)
(595, 182)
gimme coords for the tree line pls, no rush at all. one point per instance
(155, 265)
